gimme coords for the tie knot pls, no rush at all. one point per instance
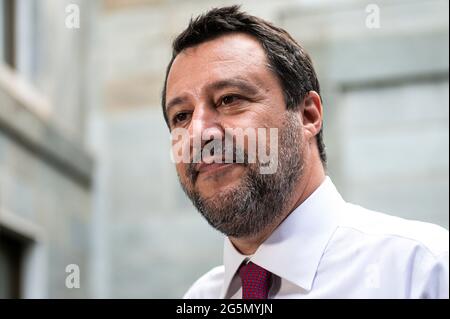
(255, 281)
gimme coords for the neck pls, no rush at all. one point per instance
(307, 184)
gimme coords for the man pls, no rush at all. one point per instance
(289, 234)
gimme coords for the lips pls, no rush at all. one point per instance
(212, 167)
(213, 164)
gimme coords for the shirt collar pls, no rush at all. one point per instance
(293, 251)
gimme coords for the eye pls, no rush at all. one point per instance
(180, 117)
(229, 99)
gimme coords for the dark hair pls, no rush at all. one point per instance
(287, 59)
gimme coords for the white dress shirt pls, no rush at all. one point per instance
(327, 248)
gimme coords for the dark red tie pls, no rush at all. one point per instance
(255, 281)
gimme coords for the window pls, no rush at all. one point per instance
(19, 30)
(8, 32)
(11, 255)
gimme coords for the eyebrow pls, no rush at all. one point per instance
(175, 101)
(239, 83)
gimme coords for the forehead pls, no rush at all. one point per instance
(231, 55)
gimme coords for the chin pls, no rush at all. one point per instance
(210, 191)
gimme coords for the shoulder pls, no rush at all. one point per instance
(412, 252)
(373, 227)
(208, 286)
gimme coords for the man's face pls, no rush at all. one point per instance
(224, 84)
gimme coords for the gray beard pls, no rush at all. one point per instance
(260, 199)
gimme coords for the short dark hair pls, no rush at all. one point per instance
(287, 59)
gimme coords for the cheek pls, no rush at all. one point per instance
(182, 172)
(183, 175)
(257, 116)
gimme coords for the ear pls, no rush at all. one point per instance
(311, 114)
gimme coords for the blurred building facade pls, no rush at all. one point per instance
(125, 221)
(45, 172)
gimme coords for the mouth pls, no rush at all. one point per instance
(212, 168)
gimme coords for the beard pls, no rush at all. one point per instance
(258, 200)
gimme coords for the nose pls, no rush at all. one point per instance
(204, 127)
